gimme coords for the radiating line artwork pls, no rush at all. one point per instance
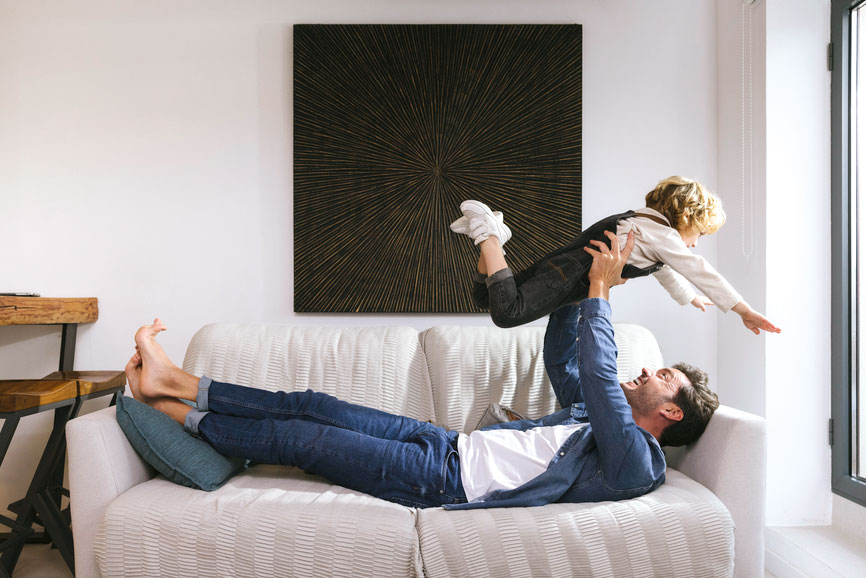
(396, 125)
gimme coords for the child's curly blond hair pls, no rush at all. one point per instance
(687, 204)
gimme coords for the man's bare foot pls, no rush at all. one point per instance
(147, 333)
(159, 376)
(133, 379)
(133, 376)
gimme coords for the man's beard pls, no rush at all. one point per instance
(643, 402)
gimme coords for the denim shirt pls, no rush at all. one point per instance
(612, 458)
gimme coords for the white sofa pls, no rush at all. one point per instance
(706, 520)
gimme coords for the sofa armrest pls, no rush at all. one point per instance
(102, 465)
(730, 459)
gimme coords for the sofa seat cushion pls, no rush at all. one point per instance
(681, 529)
(267, 521)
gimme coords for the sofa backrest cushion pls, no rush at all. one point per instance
(472, 367)
(380, 367)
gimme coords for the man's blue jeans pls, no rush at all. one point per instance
(395, 458)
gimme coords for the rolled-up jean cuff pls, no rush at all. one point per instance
(499, 276)
(479, 277)
(201, 396)
(192, 419)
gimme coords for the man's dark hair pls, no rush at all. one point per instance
(698, 403)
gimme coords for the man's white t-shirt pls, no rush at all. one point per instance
(504, 459)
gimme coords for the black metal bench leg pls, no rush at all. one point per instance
(55, 525)
(45, 472)
(67, 346)
(56, 484)
(9, 426)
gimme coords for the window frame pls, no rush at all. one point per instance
(843, 347)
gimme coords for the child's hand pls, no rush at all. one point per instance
(701, 303)
(753, 320)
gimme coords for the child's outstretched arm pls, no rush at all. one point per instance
(753, 320)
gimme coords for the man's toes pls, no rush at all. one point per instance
(133, 362)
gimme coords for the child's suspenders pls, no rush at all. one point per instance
(658, 220)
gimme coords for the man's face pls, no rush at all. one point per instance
(651, 389)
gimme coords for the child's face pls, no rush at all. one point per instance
(689, 236)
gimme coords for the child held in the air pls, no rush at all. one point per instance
(678, 212)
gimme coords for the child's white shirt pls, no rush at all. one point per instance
(654, 243)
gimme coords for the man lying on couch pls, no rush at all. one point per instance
(605, 444)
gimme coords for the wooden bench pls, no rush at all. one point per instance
(64, 392)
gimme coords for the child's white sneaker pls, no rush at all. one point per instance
(461, 225)
(484, 223)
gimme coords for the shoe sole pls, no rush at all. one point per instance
(477, 207)
(483, 210)
(460, 226)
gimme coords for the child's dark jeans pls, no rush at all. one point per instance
(555, 280)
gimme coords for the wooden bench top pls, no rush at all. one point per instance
(92, 381)
(47, 310)
(16, 395)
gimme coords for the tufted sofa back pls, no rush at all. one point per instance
(472, 367)
(380, 367)
(447, 374)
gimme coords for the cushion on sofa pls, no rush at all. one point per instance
(165, 445)
(680, 529)
(265, 521)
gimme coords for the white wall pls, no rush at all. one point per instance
(145, 159)
(798, 232)
(742, 173)
(782, 260)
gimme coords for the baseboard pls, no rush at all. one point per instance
(780, 568)
(813, 552)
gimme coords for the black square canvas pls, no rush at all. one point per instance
(396, 125)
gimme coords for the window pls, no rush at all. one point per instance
(848, 425)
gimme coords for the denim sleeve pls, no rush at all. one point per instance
(560, 355)
(624, 451)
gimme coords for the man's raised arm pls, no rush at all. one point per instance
(560, 355)
(560, 339)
